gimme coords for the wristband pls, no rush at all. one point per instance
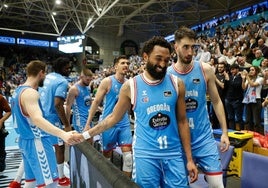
(86, 135)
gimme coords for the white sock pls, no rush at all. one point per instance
(31, 184)
(61, 170)
(20, 172)
(52, 185)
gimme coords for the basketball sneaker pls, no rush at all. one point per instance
(64, 181)
(14, 184)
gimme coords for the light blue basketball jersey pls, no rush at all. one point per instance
(156, 133)
(22, 122)
(55, 85)
(111, 99)
(196, 103)
(80, 107)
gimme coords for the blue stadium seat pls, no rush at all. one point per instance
(254, 171)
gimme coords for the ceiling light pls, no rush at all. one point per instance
(89, 20)
(5, 5)
(58, 2)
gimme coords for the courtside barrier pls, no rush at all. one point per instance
(90, 169)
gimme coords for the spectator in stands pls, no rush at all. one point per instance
(247, 52)
(79, 100)
(230, 58)
(236, 49)
(7, 91)
(233, 99)
(120, 134)
(263, 48)
(258, 58)
(264, 65)
(213, 63)
(34, 143)
(199, 80)
(243, 65)
(264, 89)
(203, 55)
(5, 112)
(221, 76)
(252, 83)
(52, 96)
(161, 124)
(253, 44)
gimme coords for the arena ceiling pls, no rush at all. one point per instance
(157, 17)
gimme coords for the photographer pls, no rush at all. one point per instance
(4, 107)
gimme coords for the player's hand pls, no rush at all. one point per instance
(78, 137)
(86, 128)
(225, 143)
(72, 138)
(193, 171)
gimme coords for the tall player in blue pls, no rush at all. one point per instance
(52, 96)
(79, 100)
(199, 79)
(120, 134)
(161, 128)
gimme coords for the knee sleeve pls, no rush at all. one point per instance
(127, 161)
(215, 181)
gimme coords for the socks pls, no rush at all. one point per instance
(61, 170)
(31, 184)
(20, 172)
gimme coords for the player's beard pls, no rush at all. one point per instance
(185, 60)
(86, 83)
(152, 70)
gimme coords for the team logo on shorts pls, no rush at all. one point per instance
(159, 121)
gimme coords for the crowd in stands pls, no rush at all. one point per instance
(245, 45)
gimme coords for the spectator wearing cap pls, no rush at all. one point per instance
(233, 99)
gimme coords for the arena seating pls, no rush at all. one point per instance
(254, 171)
